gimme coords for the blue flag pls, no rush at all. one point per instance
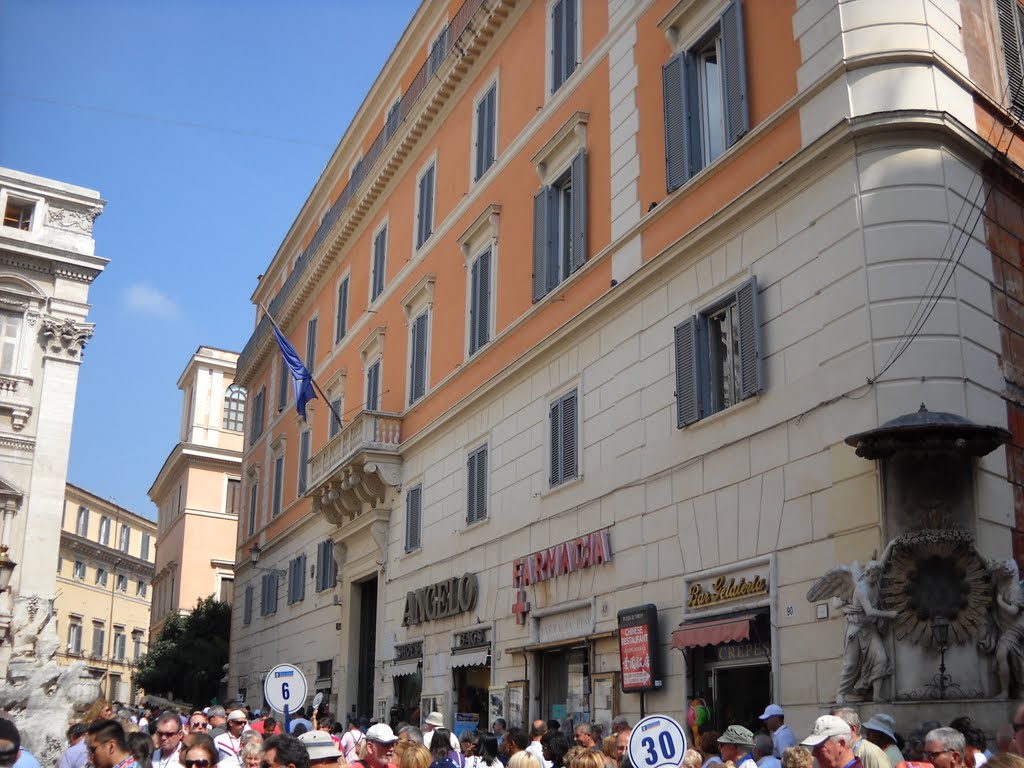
(301, 376)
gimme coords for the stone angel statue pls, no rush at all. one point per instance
(866, 662)
(1008, 615)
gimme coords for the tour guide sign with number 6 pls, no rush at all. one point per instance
(657, 741)
(285, 688)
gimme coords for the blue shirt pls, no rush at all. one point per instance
(76, 756)
(26, 760)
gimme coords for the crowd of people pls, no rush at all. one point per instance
(112, 736)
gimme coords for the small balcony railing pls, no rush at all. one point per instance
(369, 431)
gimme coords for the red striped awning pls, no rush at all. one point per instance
(695, 634)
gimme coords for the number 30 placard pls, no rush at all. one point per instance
(657, 741)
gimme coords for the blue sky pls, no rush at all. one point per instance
(95, 93)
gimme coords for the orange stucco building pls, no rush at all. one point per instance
(632, 271)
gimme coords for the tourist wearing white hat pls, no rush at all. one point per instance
(774, 718)
(436, 720)
(831, 743)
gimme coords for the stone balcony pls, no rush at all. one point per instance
(15, 399)
(354, 471)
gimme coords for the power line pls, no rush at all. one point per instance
(164, 120)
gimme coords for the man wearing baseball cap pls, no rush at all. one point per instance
(831, 743)
(774, 718)
(380, 746)
(321, 748)
(735, 745)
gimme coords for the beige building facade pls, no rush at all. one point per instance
(198, 490)
(104, 574)
(682, 409)
(48, 262)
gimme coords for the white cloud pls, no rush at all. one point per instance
(144, 299)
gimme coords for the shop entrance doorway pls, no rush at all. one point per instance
(565, 686)
(741, 692)
(471, 693)
(367, 616)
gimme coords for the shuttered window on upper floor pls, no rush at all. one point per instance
(311, 329)
(373, 386)
(296, 579)
(560, 228)
(563, 424)
(480, 301)
(305, 440)
(258, 407)
(476, 485)
(326, 566)
(1011, 29)
(718, 356)
(413, 518)
(564, 17)
(419, 355)
(379, 266)
(341, 312)
(486, 131)
(704, 92)
(425, 206)
(268, 598)
(247, 606)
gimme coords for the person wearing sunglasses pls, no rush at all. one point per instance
(197, 724)
(202, 753)
(229, 745)
(106, 745)
(168, 736)
(945, 748)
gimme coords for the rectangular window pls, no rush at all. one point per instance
(144, 547)
(335, 416)
(253, 490)
(325, 669)
(486, 131)
(99, 639)
(297, 579)
(120, 644)
(60, 565)
(718, 356)
(82, 526)
(1011, 30)
(257, 412)
(563, 425)
(122, 583)
(563, 42)
(18, 214)
(560, 228)
(101, 576)
(278, 485)
(75, 638)
(268, 601)
(326, 566)
(476, 485)
(233, 499)
(704, 91)
(126, 538)
(10, 331)
(226, 591)
(380, 255)
(418, 357)
(341, 315)
(247, 606)
(136, 645)
(425, 206)
(413, 518)
(304, 440)
(283, 378)
(392, 120)
(311, 328)
(140, 588)
(480, 302)
(438, 50)
(104, 531)
(373, 386)
(79, 570)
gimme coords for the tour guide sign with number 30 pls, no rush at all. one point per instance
(285, 689)
(657, 741)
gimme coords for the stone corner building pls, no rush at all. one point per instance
(47, 263)
(599, 290)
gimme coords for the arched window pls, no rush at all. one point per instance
(234, 408)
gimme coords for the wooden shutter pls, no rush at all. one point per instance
(426, 210)
(541, 240)
(481, 136)
(471, 488)
(282, 385)
(311, 328)
(413, 518)
(481, 315)
(1009, 15)
(491, 146)
(579, 210)
(748, 318)
(301, 585)
(341, 320)
(569, 430)
(687, 382)
(673, 86)
(273, 592)
(474, 298)
(557, 44)
(373, 387)
(569, 56)
(734, 74)
(555, 427)
(480, 486)
(418, 363)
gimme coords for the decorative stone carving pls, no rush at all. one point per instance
(64, 337)
(71, 219)
(866, 662)
(1008, 619)
(355, 489)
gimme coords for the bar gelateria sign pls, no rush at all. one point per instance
(726, 588)
(561, 559)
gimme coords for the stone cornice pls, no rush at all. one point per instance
(221, 458)
(120, 561)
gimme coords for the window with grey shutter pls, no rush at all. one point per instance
(560, 228)
(425, 211)
(283, 377)
(144, 546)
(1011, 30)
(253, 489)
(413, 518)
(476, 485)
(718, 356)
(303, 469)
(257, 413)
(578, 254)
(480, 302)
(380, 251)
(734, 74)
(562, 423)
(335, 416)
(296, 579)
(341, 316)
(486, 132)
(418, 358)
(542, 246)
(247, 606)
(563, 42)
(278, 485)
(677, 161)
(326, 566)
(311, 328)
(438, 50)
(391, 121)
(373, 386)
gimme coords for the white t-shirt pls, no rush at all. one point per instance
(229, 748)
(537, 751)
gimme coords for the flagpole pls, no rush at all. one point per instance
(312, 381)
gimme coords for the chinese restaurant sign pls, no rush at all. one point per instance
(638, 642)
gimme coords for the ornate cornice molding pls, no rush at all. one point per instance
(27, 444)
(64, 338)
(75, 220)
(121, 561)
